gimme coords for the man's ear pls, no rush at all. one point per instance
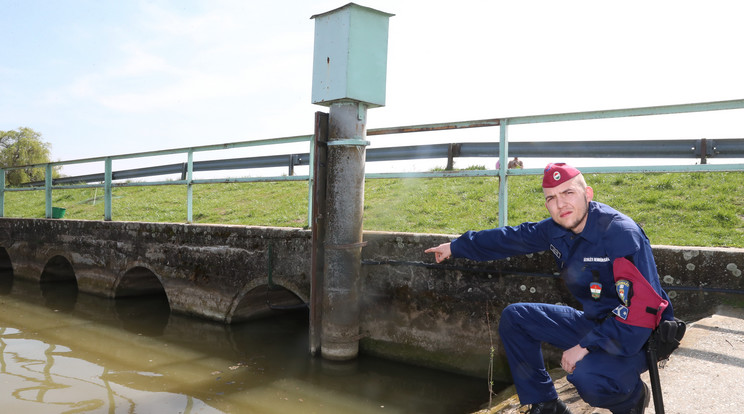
(589, 194)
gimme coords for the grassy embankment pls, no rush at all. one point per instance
(684, 209)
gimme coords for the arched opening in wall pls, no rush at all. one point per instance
(6, 272)
(275, 321)
(58, 284)
(267, 301)
(141, 302)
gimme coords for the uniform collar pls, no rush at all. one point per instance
(590, 232)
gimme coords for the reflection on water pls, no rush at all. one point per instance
(146, 315)
(63, 352)
(60, 296)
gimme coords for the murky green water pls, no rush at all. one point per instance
(67, 352)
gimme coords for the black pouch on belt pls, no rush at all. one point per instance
(668, 336)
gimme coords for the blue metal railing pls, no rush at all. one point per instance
(677, 149)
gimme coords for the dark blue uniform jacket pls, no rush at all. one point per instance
(582, 259)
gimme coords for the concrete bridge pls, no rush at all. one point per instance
(412, 310)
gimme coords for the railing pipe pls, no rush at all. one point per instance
(435, 127)
(629, 112)
(218, 147)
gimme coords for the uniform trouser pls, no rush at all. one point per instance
(602, 379)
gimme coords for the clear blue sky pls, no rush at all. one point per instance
(104, 77)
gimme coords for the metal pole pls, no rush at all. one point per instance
(317, 221)
(452, 152)
(190, 186)
(48, 189)
(503, 163)
(311, 169)
(2, 192)
(107, 198)
(343, 235)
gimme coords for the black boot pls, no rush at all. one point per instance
(640, 406)
(550, 407)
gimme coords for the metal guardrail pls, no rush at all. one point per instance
(679, 149)
(672, 149)
(290, 160)
(108, 175)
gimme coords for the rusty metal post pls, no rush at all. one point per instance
(343, 234)
(317, 224)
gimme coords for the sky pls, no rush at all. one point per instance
(108, 77)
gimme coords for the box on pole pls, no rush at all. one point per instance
(350, 56)
(349, 74)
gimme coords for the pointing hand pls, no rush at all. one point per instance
(441, 252)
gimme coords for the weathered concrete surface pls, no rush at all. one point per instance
(440, 315)
(706, 268)
(205, 271)
(343, 233)
(702, 376)
(446, 316)
(412, 310)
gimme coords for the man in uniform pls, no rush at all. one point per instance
(603, 257)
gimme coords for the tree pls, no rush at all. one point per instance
(20, 148)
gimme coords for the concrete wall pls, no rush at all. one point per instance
(206, 271)
(447, 316)
(412, 310)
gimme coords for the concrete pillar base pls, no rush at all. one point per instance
(343, 234)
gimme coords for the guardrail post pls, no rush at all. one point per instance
(2, 192)
(48, 189)
(189, 187)
(703, 151)
(107, 178)
(452, 152)
(503, 177)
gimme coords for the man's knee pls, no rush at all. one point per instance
(599, 390)
(508, 317)
(589, 388)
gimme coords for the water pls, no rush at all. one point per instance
(68, 352)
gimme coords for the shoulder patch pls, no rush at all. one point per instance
(621, 312)
(624, 290)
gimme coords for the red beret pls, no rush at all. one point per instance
(557, 174)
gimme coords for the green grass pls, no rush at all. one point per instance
(683, 209)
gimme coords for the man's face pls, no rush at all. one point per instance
(568, 204)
